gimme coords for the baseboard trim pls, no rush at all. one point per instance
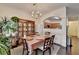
(59, 45)
(73, 36)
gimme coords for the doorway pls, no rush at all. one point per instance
(73, 34)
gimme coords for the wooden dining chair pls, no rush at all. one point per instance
(52, 40)
(25, 47)
(46, 46)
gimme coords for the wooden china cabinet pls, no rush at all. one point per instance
(26, 27)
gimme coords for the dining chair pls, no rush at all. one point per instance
(52, 40)
(46, 46)
(25, 47)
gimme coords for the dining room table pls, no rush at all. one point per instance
(34, 41)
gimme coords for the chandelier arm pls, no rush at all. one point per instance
(35, 13)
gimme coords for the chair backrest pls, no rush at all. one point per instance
(47, 43)
(52, 38)
(25, 45)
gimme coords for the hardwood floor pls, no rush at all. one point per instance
(74, 50)
(62, 51)
(75, 46)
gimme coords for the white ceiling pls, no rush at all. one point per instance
(72, 8)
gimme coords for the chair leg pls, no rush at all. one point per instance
(23, 51)
(27, 52)
(53, 47)
(36, 52)
(43, 52)
(49, 51)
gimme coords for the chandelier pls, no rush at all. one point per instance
(36, 13)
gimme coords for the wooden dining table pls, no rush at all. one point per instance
(34, 41)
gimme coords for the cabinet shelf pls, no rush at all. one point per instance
(26, 26)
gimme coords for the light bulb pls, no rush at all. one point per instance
(32, 12)
(32, 15)
(40, 14)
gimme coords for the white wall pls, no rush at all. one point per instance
(10, 11)
(60, 34)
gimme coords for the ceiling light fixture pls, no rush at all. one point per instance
(35, 13)
(56, 18)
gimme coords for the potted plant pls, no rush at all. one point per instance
(15, 18)
(4, 45)
(9, 27)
